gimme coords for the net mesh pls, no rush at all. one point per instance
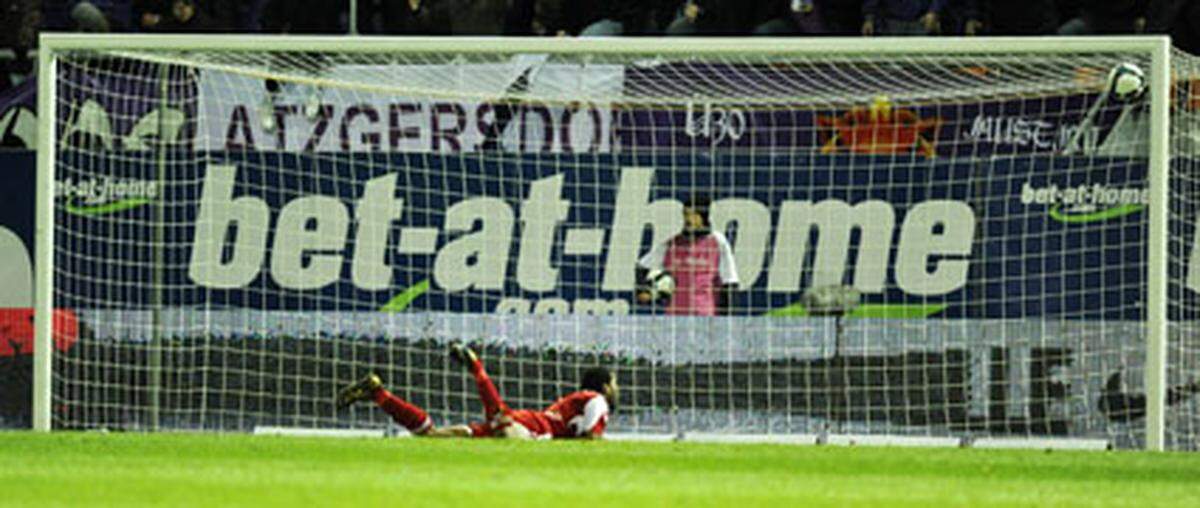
(239, 234)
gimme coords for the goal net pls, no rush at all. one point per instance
(926, 242)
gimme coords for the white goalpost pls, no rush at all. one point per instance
(230, 228)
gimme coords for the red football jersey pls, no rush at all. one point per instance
(578, 414)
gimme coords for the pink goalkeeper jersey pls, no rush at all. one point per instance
(699, 268)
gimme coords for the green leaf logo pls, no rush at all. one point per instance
(402, 300)
(1057, 214)
(106, 208)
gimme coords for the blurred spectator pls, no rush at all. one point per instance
(563, 17)
(1160, 15)
(662, 13)
(1067, 9)
(148, 14)
(774, 17)
(840, 17)
(416, 17)
(1009, 17)
(228, 15)
(185, 17)
(902, 17)
(446, 17)
(687, 19)
(87, 17)
(787, 17)
(479, 17)
(621, 17)
(1185, 26)
(370, 17)
(19, 21)
(711, 17)
(303, 16)
(1102, 17)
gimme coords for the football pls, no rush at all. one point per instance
(661, 284)
(1126, 83)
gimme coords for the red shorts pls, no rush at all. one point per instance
(533, 421)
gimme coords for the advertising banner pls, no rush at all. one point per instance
(1020, 237)
(460, 108)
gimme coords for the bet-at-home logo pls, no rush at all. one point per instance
(99, 196)
(925, 252)
(1097, 203)
(1086, 203)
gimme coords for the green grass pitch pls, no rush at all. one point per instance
(91, 469)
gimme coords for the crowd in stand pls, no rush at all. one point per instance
(21, 19)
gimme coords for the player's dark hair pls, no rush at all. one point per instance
(594, 379)
(700, 203)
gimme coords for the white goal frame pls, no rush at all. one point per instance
(1157, 49)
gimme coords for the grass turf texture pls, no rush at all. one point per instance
(73, 469)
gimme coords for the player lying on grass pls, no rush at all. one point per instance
(581, 414)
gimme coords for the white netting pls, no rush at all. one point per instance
(1183, 339)
(241, 233)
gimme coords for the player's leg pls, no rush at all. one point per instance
(450, 431)
(502, 429)
(403, 412)
(514, 430)
(493, 405)
(521, 424)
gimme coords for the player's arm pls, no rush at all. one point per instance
(642, 284)
(727, 276)
(590, 425)
(653, 260)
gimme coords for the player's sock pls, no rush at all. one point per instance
(492, 403)
(407, 414)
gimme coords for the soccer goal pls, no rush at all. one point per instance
(930, 238)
